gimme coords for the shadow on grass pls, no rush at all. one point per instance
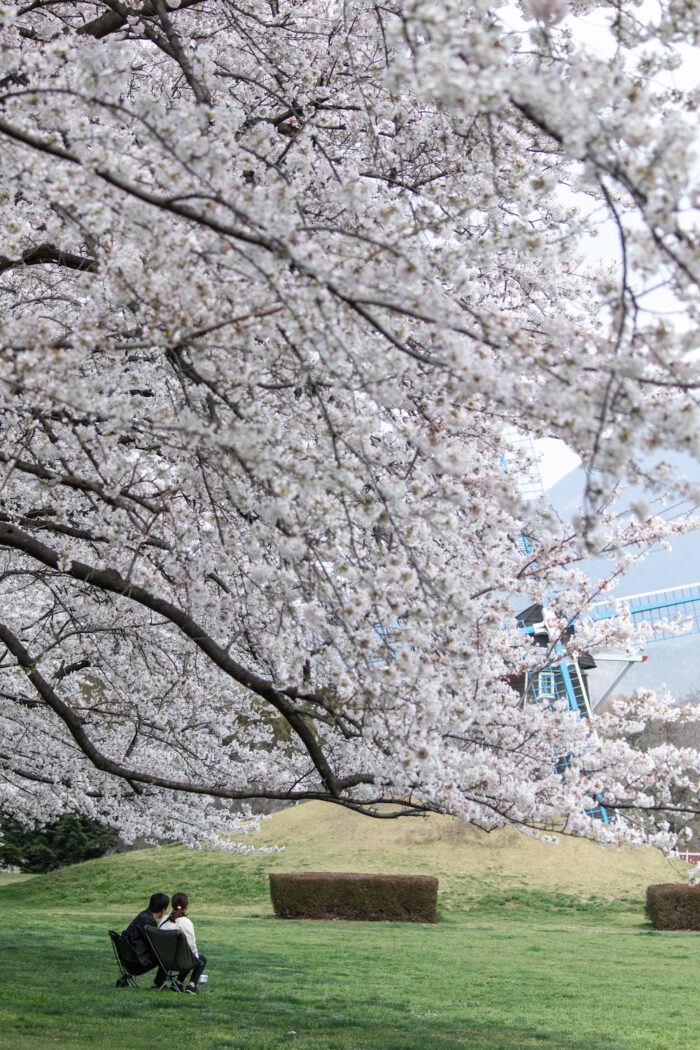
(51, 1011)
(209, 1024)
(421, 1034)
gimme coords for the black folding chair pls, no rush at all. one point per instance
(172, 952)
(127, 960)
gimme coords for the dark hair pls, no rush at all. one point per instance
(159, 902)
(180, 904)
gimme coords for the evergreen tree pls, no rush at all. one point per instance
(68, 840)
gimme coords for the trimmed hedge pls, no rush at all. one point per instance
(673, 906)
(343, 895)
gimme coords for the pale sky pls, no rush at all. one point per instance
(556, 460)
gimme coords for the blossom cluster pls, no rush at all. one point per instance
(277, 281)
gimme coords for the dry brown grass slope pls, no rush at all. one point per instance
(321, 837)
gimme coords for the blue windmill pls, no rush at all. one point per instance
(565, 678)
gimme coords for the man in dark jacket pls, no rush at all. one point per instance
(135, 937)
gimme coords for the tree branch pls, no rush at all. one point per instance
(200, 92)
(115, 19)
(109, 580)
(48, 253)
(122, 500)
(74, 724)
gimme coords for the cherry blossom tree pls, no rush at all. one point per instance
(278, 278)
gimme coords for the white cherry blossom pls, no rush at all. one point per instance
(278, 278)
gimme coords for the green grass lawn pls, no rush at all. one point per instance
(499, 983)
(506, 969)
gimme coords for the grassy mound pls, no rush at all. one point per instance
(315, 834)
(476, 870)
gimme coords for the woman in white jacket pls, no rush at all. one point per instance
(177, 920)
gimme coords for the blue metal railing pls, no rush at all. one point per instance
(677, 603)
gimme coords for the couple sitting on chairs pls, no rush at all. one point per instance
(170, 945)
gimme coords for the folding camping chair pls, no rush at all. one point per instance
(127, 960)
(172, 952)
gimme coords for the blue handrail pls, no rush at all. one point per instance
(656, 606)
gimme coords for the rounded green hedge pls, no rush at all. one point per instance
(673, 906)
(345, 895)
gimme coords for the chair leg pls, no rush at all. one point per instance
(126, 980)
(171, 983)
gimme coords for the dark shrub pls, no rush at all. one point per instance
(339, 895)
(674, 906)
(69, 840)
